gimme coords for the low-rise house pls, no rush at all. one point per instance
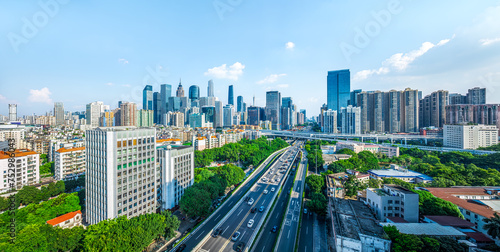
(68, 220)
(393, 201)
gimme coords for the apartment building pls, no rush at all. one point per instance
(120, 177)
(470, 136)
(393, 201)
(69, 163)
(27, 169)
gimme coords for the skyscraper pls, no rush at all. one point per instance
(330, 121)
(59, 113)
(230, 96)
(228, 115)
(338, 89)
(128, 114)
(273, 109)
(156, 108)
(351, 120)
(287, 113)
(353, 100)
(180, 90)
(210, 89)
(476, 96)
(433, 109)
(12, 112)
(219, 115)
(253, 115)
(112, 187)
(194, 92)
(147, 98)
(93, 113)
(165, 93)
(209, 112)
(239, 101)
(411, 110)
(303, 111)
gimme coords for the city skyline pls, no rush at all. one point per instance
(403, 53)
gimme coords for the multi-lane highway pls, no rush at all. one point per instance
(236, 229)
(206, 228)
(288, 233)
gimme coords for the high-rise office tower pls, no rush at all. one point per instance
(239, 104)
(273, 109)
(157, 108)
(253, 115)
(210, 89)
(209, 112)
(93, 113)
(147, 98)
(330, 121)
(194, 92)
(230, 96)
(351, 120)
(353, 99)
(411, 110)
(119, 104)
(59, 113)
(120, 177)
(12, 112)
(165, 93)
(228, 115)
(338, 89)
(303, 111)
(180, 90)
(476, 96)
(219, 115)
(128, 114)
(433, 109)
(287, 113)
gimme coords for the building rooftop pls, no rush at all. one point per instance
(399, 173)
(451, 221)
(18, 153)
(174, 147)
(63, 150)
(480, 237)
(431, 229)
(352, 218)
(451, 195)
(63, 218)
(399, 189)
(395, 219)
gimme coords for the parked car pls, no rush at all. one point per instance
(235, 236)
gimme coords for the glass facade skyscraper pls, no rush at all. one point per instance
(239, 101)
(194, 92)
(273, 108)
(165, 93)
(338, 89)
(230, 96)
(210, 89)
(147, 98)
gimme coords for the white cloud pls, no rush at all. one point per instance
(361, 75)
(290, 45)
(486, 42)
(270, 79)
(400, 61)
(123, 61)
(42, 95)
(282, 86)
(2, 98)
(232, 72)
(109, 84)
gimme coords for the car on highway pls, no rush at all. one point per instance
(250, 201)
(217, 232)
(240, 247)
(275, 228)
(261, 209)
(266, 192)
(273, 189)
(305, 210)
(253, 210)
(250, 223)
(235, 236)
(247, 198)
(181, 248)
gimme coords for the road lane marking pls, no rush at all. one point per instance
(288, 236)
(198, 236)
(307, 230)
(240, 212)
(217, 217)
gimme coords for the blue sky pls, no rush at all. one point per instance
(84, 51)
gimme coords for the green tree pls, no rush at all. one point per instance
(315, 183)
(172, 224)
(493, 226)
(352, 186)
(195, 202)
(347, 151)
(335, 167)
(317, 203)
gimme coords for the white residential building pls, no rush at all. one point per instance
(351, 120)
(69, 163)
(176, 173)
(16, 134)
(470, 136)
(393, 201)
(330, 121)
(27, 169)
(120, 177)
(93, 113)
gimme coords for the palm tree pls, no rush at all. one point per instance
(493, 226)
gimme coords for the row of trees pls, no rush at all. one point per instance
(210, 183)
(314, 154)
(45, 166)
(249, 152)
(317, 201)
(72, 184)
(362, 161)
(31, 194)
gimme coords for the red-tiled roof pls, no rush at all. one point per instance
(450, 221)
(450, 194)
(18, 153)
(480, 237)
(63, 150)
(63, 218)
